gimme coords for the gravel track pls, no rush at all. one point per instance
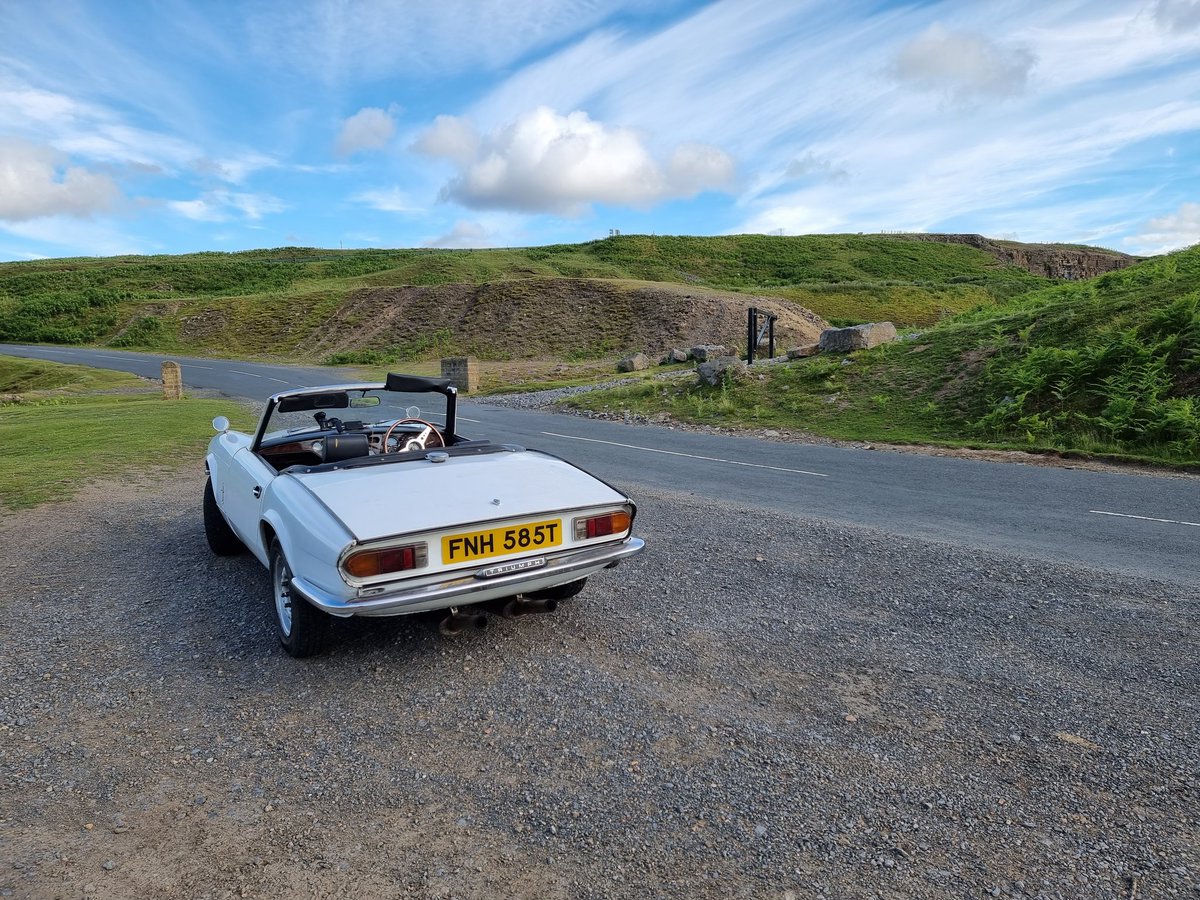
(759, 705)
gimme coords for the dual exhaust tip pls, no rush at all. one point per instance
(458, 622)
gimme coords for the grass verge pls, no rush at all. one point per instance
(63, 426)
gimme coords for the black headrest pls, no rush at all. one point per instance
(339, 447)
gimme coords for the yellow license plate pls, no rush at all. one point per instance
(457, 548)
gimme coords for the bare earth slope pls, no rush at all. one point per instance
(554, 316)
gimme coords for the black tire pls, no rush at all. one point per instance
(221, 538)
(559, 592)
(302, 628)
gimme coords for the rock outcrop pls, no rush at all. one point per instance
(1063, 261)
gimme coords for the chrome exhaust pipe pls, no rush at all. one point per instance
(458, 622)
(522, 606)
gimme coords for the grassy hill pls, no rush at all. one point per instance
(285, 302)
(1106, 366)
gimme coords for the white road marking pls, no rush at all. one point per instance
(1100, 512)
(269, 378)
(251, 374)
(117, 358)
(192, 366)
(465, 419)
(732, 462)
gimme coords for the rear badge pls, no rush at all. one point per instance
(508, 568)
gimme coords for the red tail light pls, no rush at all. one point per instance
(616, 522)
(366, 563)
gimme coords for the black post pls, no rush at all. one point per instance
(771, 337)
(751, 333)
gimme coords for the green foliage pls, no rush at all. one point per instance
(437, 343)
(269, 301)
(1110, 366)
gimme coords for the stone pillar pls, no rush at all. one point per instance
(463, 372)
(172, 379)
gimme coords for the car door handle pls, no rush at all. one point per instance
(257, 491)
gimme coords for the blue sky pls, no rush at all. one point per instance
(176, 126)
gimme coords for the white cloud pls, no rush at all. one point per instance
(236, 169)
(373, 39)
(388, 200)
(36, 181)
(1170, 232)
(464, 235)
(449, 137)
(962, 64)
(1178, 15)
(79, 237)
(368, 129)
(545, 162)
(812, 166)
(221, 206)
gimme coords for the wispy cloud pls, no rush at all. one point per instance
(387, 200)
(376, 38)
(221, 206)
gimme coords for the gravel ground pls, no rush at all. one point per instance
(543, 399)
(758, 706)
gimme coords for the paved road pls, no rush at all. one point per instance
(1140, 525)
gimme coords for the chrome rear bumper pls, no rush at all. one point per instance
(463, 589)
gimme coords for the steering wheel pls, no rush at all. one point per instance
(419, 441)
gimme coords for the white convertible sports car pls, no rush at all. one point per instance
(360, 505)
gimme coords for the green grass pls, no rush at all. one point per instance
(275, 303)
(74, 425)
(1109, 367)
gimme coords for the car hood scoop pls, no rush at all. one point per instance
(419, 495)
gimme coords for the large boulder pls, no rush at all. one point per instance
(674, 355)
(634, 363)
(707, 351)
(714, 371)
(859, 337)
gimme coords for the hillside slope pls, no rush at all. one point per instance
(538, 317)
(1108, 366)
(290, 301)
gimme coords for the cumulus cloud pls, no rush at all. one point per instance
(464, 235)
(368, 129)
(449, 137)
(221, 206)
(545, 162)
(963, 65)
(37, 181)
(1178, 15)
(1170, 232)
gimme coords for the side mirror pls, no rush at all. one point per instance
(221, 424)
